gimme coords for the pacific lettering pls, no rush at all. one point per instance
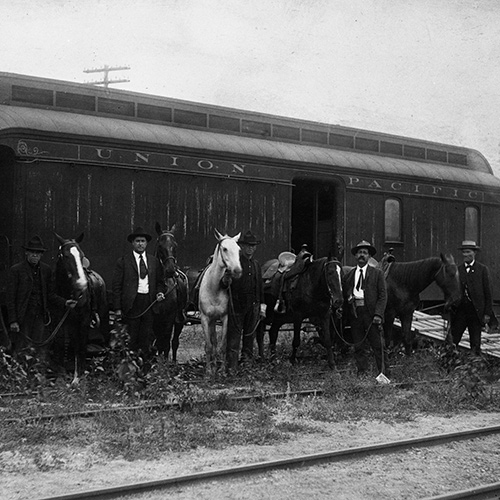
(375, 185)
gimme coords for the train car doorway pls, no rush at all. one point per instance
(317, 217)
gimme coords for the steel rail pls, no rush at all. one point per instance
(287, 463)
(485, 492)
(174, 404)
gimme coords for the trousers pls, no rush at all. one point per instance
(140, 329)
(365, 333)
(466, 317)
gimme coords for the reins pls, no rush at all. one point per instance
(152, 303)
(53, 334)
(56, 330)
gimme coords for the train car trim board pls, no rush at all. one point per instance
(433, 179)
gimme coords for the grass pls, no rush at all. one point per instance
(219, 421)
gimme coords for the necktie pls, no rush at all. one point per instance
(360, 281)
(143, 272)
(468, 267)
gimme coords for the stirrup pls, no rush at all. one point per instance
(280, 307)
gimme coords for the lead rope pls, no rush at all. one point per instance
(52, 335)
(152, 304)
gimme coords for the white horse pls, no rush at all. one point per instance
(213, 301)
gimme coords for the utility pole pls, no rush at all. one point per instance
(106, 69)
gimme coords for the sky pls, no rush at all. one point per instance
(427, 69)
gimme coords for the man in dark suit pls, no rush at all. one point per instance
(30, 291)
(247, 294)
(137, 284)
(366, 295)
(476, 307)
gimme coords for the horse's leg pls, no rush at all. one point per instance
(273, 338)
(223, 346)
(160, 329)
(76, 379)
(408, 336)
(390, 341)
(178, 326)
(327, 339)
(259, 335)
(210, 343)
(297, 323)
(79, 341)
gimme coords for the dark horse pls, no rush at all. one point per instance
(406, 280)
(74, 281)
(170, 316)
(316, 295)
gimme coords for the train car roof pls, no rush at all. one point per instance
(21, 121)
(36, 92)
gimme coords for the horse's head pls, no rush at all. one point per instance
(166, 249)
(448, 281)
(333, 277)
(228, 253)
(70, 265)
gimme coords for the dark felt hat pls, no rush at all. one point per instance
(469, 245)
(138, 231)
(249, 239)
(364, 244)
(35, 244)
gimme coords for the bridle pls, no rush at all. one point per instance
(330, 291)
(60, 257)
(168, 257)
(219, 252)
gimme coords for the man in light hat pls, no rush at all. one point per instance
(366, 294)
(137, 284)
(30, 291)
(476, 307)
(247, 294)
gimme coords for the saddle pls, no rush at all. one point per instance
(281, 278)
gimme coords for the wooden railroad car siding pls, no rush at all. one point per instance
(106, 202)
(77, 158)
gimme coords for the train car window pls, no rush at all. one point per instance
(392, 220)
(471, 224)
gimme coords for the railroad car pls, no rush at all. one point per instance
(78, 158)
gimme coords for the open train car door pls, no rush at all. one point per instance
(318, 217)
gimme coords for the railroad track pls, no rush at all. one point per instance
(87, 413)
(486, 491)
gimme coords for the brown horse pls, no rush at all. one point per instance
(317, 295)
(405, 281)
(73, 280)
(170, 315)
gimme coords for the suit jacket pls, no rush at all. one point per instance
(250, 287)
(477, 281)
(126, 280)
(20, 288)
(374, 288)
